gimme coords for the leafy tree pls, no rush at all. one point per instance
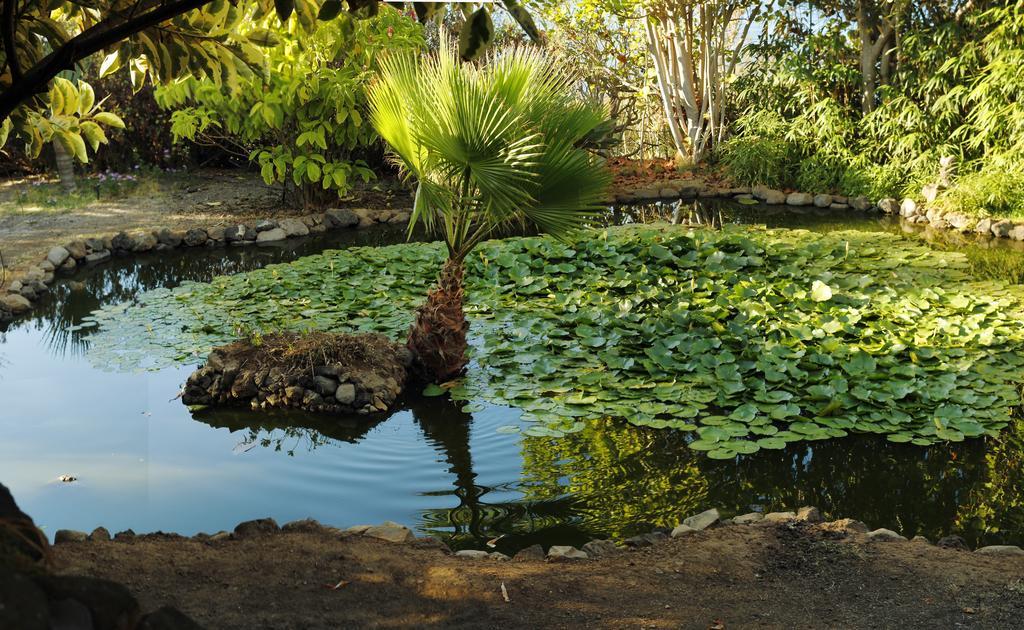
(162, 40)
(488, 146)
(300, 119)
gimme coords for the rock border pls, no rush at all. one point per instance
(18, 296)
(390, 532)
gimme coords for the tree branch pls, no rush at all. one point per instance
(10, 49)
(105, 33)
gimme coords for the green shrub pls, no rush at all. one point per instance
(995, 187)
(759, 153)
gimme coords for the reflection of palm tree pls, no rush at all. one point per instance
(445, 425)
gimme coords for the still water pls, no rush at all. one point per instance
(144, 462)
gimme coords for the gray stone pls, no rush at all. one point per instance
(953, 542)
(357, 530)
(257, 527)
(889, 205)
(215, 234)
(598, 548)
(920, 539)
(533, 552)
(683, 530)
(170, 238)
(341, 218)
(167, 618)
(239, 233)
(885, 535)
(69, 265)
(473, 554)
(345, 394)
(846, 525)
(983, 226)
(860, 203)
(566, 552)
(779, 517)
(747, 519)
(57, 255)
(77, 249)
(908, 208)
(958, 220)
(144, 242)
(325, 385)
(69, 535)
(1017, 233)
(1002, 229)
(391, 532)
(799, 199)
(219, 536)
(15, 303)
(839, 206)
(809, 514)
(497, 555)
(703, 520)
(124, 535)
(195, 237)
(294, 227)
(303, 525)
(98, 257)
(276, 234)
(100, 533)
(645, 540)
(264, 225)
(122, 242)
(930, 192)
(822, 201)
(1000, 550)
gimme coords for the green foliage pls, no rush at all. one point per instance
(954, 92)
(746, 337)
(759, 153)
(301, 120)
(489, 145)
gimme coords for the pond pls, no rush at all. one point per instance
(144, 461)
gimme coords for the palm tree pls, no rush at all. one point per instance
(502, 143)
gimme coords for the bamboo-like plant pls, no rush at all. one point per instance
(490, 145)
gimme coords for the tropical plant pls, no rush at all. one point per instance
(168, 39)
(301, 120)
(488, 146)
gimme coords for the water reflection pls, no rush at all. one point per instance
(453, 471)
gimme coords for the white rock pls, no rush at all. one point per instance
(15, 303)
(1001, 550)
(703, 520)
(269, 236)
(746, 519)
(683, 530)
(889, 205)
(885, 535)
(908, 208)
(391, 532)
(293, 227)
(475, 554)
(780, 517)
(809, 514)
(566, 552)
(822, 201)
(799, 199)
(57, 255)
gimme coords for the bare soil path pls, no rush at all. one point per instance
(759, 576)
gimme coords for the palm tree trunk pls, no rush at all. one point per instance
(65, 167)
(437, 338)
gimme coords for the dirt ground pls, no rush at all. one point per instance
(763, 576)
(209, 197)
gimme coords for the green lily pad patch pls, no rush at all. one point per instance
(751, 338)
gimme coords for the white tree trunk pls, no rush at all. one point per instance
(690, 63)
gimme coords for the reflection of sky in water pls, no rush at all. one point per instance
(144, 463)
